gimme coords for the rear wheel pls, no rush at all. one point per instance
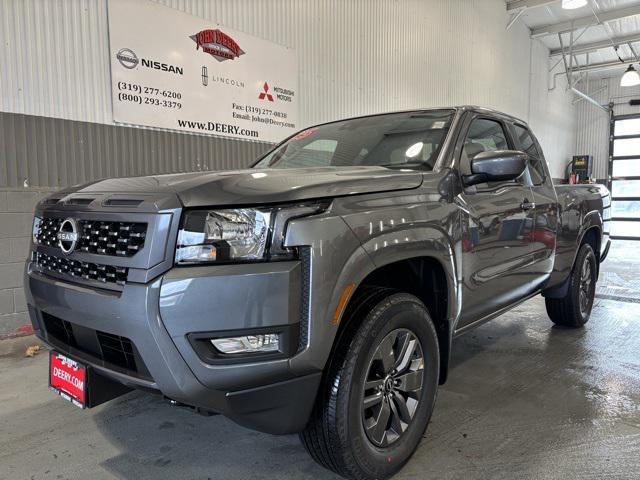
(379, 391)
(574, 309)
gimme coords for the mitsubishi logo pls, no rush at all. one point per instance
(68, 235)
(266, 93)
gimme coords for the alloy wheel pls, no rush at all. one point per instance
(393, 387)
(586, 283)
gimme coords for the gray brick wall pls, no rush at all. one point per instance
(16, 217)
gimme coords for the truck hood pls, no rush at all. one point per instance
(257, 186)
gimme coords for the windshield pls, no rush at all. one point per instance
(397, 140)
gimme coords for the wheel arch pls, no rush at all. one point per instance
(593, 236)
(427, 277)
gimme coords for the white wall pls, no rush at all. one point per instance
(593, 124)
(552, 114)
(355, 56)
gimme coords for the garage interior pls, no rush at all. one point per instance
(524, 398)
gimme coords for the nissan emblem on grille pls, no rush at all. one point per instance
(68, 235)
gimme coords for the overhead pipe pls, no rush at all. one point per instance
(595, 92)
(603, 66)
(589, 99)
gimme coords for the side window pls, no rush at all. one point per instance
(484, 135)
(528, 145)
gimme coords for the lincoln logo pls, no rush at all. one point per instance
(68, 235)
(217, 44)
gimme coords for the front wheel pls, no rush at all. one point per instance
(574, 309)
(379, 391)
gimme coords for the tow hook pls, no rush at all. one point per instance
(200, 411)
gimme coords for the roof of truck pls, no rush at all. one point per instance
(475, 108)
(459, 108)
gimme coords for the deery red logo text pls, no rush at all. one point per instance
(218, 44)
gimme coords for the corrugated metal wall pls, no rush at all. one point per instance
(56, 152)
(55, 59)
(355, 57)
(552, 116)
(592, 125)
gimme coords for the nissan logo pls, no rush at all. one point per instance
(127, 58)
(68, 235)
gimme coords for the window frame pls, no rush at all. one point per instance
(540, 156)
(459, 152)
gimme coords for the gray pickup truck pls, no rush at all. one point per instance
(319, 291)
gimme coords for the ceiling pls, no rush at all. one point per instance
(595, 22)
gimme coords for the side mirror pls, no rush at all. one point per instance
(496, 166)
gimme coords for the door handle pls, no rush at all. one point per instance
(527, 205)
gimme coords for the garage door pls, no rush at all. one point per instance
(624, 172)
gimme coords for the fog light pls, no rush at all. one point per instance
(248, 344)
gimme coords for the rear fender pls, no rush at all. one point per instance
(592, 220)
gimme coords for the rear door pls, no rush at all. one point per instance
(543, 233)
(496, 229)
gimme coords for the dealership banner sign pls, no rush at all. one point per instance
(173, 70)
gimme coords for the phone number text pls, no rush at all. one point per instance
(145, 100)
(146, 90)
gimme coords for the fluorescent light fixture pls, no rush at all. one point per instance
(630, 78)
(573, 4)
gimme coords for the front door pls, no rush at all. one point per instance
(497, 224)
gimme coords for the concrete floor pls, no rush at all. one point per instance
(524, 400)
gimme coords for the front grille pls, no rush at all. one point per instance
(111, 350)
(122, 239)
(81, 270)
(117, 350)
(60, 330)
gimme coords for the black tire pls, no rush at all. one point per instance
(335, 436)
(574, 309)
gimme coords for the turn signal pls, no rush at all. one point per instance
(342, 303)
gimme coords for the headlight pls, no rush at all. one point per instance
(237, 235)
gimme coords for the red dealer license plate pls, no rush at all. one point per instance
(68, 379)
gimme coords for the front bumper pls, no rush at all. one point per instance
(157, 318)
